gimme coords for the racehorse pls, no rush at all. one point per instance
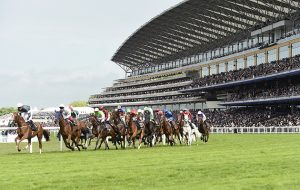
(150, 129)
(25, 132)
(102, 131)
(167, 129)
(67, 132)
(183, 121)
(204, 129)
(120, 128)
(134, 131)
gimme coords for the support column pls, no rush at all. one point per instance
(200, 72)
(255, 59)
(245, 62)
(266, 57)
(226, 67)
(218, 68)
(235, 64)
(290, 50)
(277, 54)
(208, 68)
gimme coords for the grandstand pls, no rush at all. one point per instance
(212, 55)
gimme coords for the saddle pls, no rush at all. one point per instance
(31, 125)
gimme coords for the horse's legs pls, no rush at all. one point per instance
(141, 138)
(17, 139)
(97, 142)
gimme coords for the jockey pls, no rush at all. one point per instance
(26, 113)
(201, 115)
(67, 115)
(150, 111)
(106, 113)
(169, 116)
(134, 115)
(121, 112)
(100, 116)
(187, 113)
(140, 115)
(74, 113)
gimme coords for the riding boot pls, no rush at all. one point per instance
(32, 125)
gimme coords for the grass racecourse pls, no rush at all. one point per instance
(232, 161)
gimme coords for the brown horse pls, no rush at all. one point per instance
(102, 131)
(120, 127)
(167, 130)
(25, 132)
(67, 132)
(204, 129)
(134, 131)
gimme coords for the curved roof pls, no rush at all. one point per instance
(196, 26)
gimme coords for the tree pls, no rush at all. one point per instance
(78, 103)
(4, 111)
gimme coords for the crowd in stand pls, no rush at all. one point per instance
(262, 93)
(253, 117)
(250, 72)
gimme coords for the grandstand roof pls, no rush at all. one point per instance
(195, 26)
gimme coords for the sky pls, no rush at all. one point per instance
(59, 51)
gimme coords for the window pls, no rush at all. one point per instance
(260, 58)
(272, 55)
(221, 67)
(283, 52)
(296, 49)
(204, 71)
(231, 66)
(250, 61)
(240, 63)
(213, 69)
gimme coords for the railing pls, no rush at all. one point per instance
(256, 130)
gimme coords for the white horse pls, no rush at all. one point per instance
(195, 133)
(187, 130)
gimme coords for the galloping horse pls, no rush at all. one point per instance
(186, 128)
(120, 127)
(204, 129)
(67, 132)
(167, 130)
(133, 130)
(150, 129)
(102, 131)
(25, 132)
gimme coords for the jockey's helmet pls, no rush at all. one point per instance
(160, 113)
(133, 111)
(119, 107)
(199, 113)
(145, 108)
(19, 105)
(165, 110)
(139, 111)
(61, 106)
(185, 109)
(128, 110)
(96, 109)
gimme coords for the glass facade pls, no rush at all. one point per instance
(213, 69)
(260, 58)
(240, 63)
(272, 55)
(296, 49)
(221, 67)
(204, 71)
(283, 52)
(231, 66)
(250, 61)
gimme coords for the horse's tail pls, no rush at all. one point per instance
(46, 134)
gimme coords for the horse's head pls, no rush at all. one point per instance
(16, 118)
(57, 117)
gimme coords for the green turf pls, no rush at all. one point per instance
(226, 162)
